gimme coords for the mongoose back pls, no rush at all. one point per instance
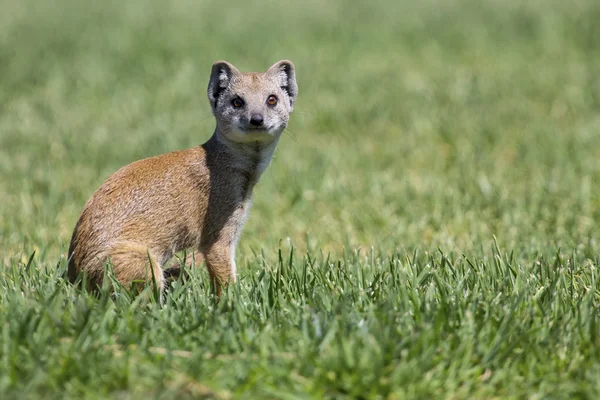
(191, 199)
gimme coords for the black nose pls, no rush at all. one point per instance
(257, 120)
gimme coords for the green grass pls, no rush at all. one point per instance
(428, 228)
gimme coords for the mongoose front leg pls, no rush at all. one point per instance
(220, 261)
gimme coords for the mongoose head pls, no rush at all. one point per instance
(250, 106)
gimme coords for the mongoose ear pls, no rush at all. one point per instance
(285, 73)
(220, 78)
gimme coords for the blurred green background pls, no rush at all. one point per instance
(422, 131)
(418, 124)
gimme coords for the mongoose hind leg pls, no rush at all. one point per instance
(135, 267)
(178, 268)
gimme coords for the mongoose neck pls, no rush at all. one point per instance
(250, 158)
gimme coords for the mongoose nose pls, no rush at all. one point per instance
(257, 120)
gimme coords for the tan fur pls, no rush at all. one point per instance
(192, 199)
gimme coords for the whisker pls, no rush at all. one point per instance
(205, 117)
(302, 112)
(291, 134)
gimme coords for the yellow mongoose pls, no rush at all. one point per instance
(196, 198)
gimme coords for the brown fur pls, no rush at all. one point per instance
(192, 199)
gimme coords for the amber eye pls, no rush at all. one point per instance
(272, 100)
(237, 102)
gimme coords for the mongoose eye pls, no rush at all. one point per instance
(272, 100)
(237, 102)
